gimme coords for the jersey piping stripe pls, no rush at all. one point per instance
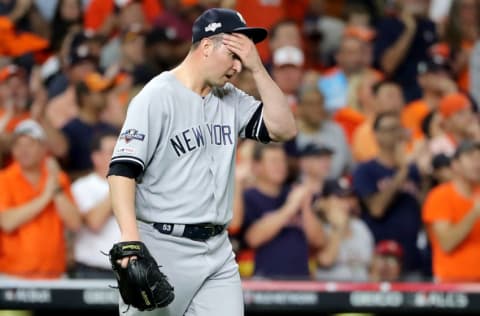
(128, 158)
(259, 126)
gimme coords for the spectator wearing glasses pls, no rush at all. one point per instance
(386, 97)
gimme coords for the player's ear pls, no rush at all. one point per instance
(206, 46)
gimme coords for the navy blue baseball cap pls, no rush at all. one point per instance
(219, 20)
(440, 161)
(315, 150)
(338, 187)
(80, 51)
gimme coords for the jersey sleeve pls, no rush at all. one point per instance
(141, 132)
(249, 117)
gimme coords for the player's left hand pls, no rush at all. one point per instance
(245, 49)
(141, 283)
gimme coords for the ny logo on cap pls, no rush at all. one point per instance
(241, 18)
(213, 26)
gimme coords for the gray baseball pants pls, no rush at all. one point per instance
(204, 275)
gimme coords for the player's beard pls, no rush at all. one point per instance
(220, 92)
(220, 83)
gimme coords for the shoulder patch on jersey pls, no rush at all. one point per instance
(125, 150)
(132, 134)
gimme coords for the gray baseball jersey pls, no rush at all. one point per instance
(185, 145)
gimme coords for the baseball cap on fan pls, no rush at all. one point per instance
(30, 128)
(218, 20)
(288, 55)
(80, 50)
(337, 187)
(389, 248)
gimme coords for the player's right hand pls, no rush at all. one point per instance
(245, 49)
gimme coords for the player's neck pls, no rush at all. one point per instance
(185, 75)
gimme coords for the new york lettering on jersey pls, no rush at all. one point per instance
(195, 137)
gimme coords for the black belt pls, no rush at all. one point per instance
(199, 232)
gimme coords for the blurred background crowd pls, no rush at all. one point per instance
(380, 184)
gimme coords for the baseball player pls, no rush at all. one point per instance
(172, 171)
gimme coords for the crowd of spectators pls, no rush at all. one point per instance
(382, 182)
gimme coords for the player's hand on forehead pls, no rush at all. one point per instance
(245, 49)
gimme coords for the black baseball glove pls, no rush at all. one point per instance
(141, 283)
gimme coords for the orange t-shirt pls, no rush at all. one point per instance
(445, 203)
(37, 248)
(364, 143)
(98, 11)
(412, 117)
(349, 119)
